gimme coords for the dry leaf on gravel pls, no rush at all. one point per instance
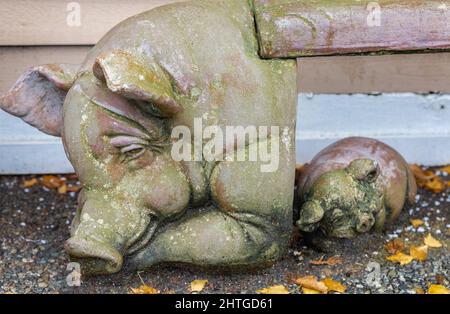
(279, 289)
(310, 291)
(144, 289)
(394, 246)
(29, 183)
(198, 285)
(62, 189)
(428, 179)
(419, 290)
(416, 222)
(445, 169)
(311, 282)
(419, 253)
(438, 289)
(334, 285)
(401, 258)
(332, 261)
(432, 242)
(51, 182)
(73, 188)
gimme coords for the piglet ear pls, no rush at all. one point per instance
(38, 96)
(364, 169)
(311, 213)
(131, 76)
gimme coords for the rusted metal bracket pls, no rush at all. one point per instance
(298, 28)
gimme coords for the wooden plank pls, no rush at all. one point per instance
(419, 73)
(296, 28)
(45, 22)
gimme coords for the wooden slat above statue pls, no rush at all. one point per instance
(288, 29)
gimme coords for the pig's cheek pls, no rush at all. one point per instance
(168, 194)
(116, 170)
(166, 203)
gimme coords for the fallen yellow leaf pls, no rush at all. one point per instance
(432, 242)
(419, 253)
(419, 290)
(311, 282)
(394, 246)
(144, 289)
(51, 182)
(334, 285)
(279, 289)
(435, 185)
(334, 260)
(29, 183)
(401, 258)
(416, 222)
(73, 188)
(438, 289)
(445, 169)
(62, 189)
(198, 285)
(310, 291)
(428, 179)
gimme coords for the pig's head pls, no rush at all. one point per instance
(343, 202)
(115, 127)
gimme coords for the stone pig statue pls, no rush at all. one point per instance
(115, 113)
(351, 187)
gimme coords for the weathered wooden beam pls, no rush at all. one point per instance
(298, 28)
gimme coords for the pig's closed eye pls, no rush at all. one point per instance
(130, 147)
(132, 151)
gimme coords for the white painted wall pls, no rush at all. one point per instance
(24, 150)
(418, 126)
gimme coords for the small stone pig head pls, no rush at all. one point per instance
(353, 186)
(343, 202)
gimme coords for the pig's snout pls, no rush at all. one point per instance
(95, 257)
(364, 223)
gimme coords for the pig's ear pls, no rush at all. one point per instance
(364, 169)
(38, 96)
(129, 75)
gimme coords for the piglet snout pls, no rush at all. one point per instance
(364, 223)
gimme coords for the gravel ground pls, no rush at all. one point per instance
(34, 223)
